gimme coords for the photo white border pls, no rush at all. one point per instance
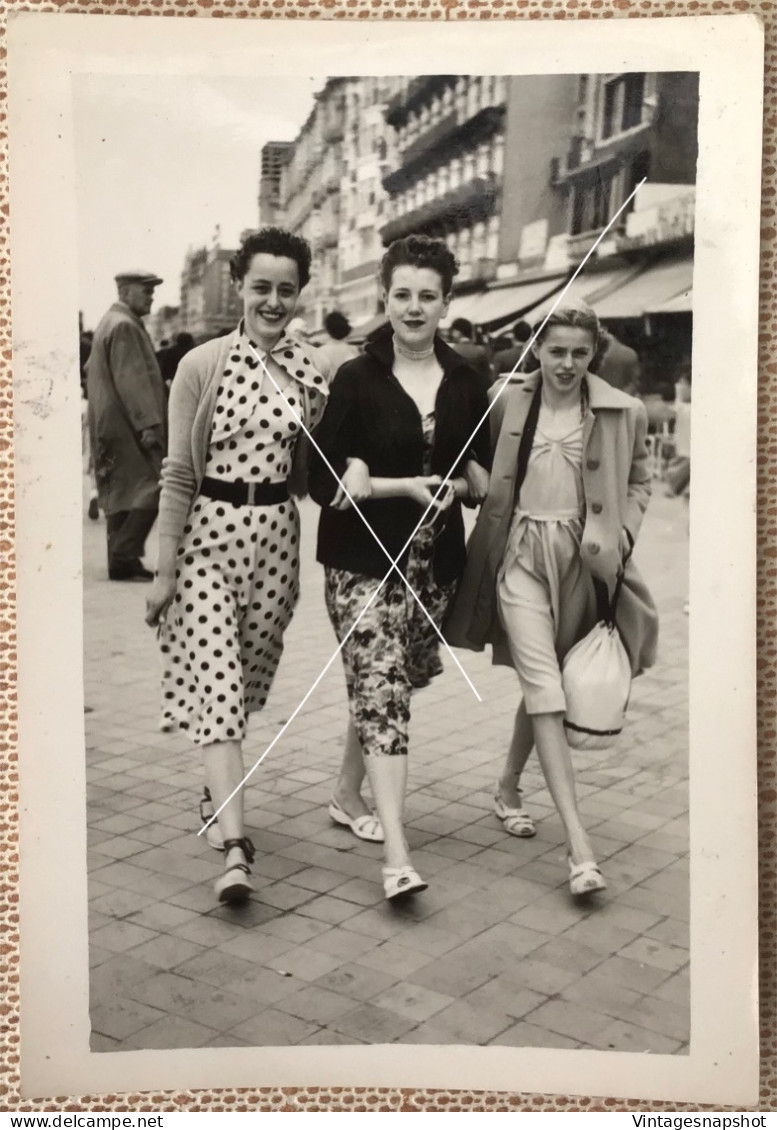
(45, 51)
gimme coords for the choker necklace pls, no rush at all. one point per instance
(412, 354)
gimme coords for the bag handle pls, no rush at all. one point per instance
(606, 605)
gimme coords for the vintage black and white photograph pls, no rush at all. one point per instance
(385, 519)
(411, 861)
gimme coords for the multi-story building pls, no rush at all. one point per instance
(367, 157)
(521, 175)
(310, 194)
(163, 324)
(273, 158)
(210, 304)
(448, 177)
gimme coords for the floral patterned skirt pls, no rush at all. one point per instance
(393, 649)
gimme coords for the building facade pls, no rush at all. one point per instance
(210, 304)
(448, 177)
(273, 157)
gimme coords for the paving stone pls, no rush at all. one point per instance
(272, 1028)
(321, 880)
(356, 981)
(314, 1003)
(119, 1017)
(295, 928)
(166, 952)
(413, 1001)
(524, 1035)
(633, 974)
(327, 908)
(576, 1022)
(454, 974)
(604, 995)
(676, 989)
(220, 1009)
(258, 948)
(628, 1037)
(659, 954)
(265, 985)
(98, 1043)
(172, 1032)
(466, 1024)
(307, 962)
(327, 1037)
(162, 917)
(394, 958)
(372, 1025)
(121, 936)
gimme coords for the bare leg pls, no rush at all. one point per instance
(223, 763)
(556, 762)
(388, 780)
(521, 745)
(347, 791)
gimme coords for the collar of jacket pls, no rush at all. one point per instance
(600, 393)
(122, 308)
(381, 347)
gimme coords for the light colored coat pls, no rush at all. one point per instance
(616, 484)
(126, 395)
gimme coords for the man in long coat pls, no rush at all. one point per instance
(127, 420)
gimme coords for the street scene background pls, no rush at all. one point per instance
(521, 176)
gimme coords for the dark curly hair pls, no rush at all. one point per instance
(272, 241)
(419, 251)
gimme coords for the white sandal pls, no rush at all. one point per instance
(207, 811)
(233, 885)
(401, 881)
(365, 827)
(585, 878)
(516, 821)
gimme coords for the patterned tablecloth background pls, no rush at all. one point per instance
(379, 1099)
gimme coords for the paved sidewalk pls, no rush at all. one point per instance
(495, 952)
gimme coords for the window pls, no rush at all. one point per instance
(623, 100)
(594, 203)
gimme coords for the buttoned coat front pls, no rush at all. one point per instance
(616, 484)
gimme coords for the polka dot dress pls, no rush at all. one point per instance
(238, 566)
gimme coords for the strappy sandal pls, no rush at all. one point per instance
(234, 885)
(401, 881)
(365, 827)
(516, 821)
(585, 878)
(207, 811)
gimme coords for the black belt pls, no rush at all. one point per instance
(245, 494)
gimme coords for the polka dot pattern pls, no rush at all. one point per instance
(238, 566)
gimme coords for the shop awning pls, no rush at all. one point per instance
(589, 288)
(662, 282)
(499, 305)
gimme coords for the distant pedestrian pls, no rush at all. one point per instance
(127, 406)
(170, 355)
(478, 357)
(229, 533)
(335, 347)
(569, 487)
(515, 358)
(618, 364)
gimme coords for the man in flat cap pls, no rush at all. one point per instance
(128, 424)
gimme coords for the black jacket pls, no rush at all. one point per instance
(369, 416)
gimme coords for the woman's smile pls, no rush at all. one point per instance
(269, 291)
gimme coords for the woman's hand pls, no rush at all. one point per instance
(356, 481)
(477, 480)
(159, 599)
(423, 488)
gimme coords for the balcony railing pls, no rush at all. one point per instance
(462, 207)
(419, 91)
(435, 148)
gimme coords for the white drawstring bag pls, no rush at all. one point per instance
(596, 677)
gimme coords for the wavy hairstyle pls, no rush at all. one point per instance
(419, 251)
(272, 241)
